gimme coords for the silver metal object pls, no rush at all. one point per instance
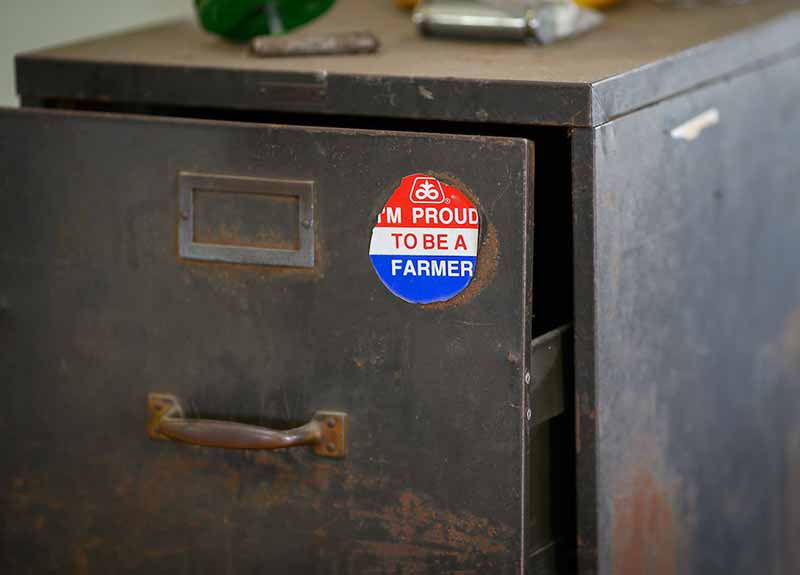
(358, 42)
(544, 23)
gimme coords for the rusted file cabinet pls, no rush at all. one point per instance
(203, 373)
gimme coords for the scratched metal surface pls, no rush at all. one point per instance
(688, 435)
(97, 310)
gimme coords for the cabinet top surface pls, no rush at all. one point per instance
(644, 50)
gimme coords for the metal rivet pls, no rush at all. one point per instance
(184, 215)
(331, 422)
(527, 377)
(331, 447)
(306, 223)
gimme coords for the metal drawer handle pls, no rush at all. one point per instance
(325, 433)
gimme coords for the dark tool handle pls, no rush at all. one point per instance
(325, 433)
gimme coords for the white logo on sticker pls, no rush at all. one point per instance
(426, 191)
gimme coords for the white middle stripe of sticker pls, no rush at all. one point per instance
(424, 241)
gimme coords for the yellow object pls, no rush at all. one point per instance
(597, 3)
(411, 4)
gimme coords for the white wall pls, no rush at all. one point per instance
(29, 24)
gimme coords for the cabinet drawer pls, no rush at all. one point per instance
(228, 265)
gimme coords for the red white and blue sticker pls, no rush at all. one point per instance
(425, 244)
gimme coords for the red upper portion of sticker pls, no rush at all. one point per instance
(424, 202)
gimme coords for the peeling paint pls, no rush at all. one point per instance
(426, 530)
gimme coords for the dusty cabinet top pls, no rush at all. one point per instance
(644, 53)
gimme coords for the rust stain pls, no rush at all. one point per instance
(80, 556)
(404, 558)
(80, 561)
(404, 535)
(368, 482)
(415, 527)
(125, 486)
(489, 250)
(288, 481)
(233, 481)
(233, 277)
(164, 481)
(784, 352)
(225, 234)
(158, 553)
(784, 357)
(30, 490)
(644, 533)
(485, 271)
(169, 469)
(409, 535)
(458, 183)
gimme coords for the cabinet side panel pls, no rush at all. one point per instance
(697, 295)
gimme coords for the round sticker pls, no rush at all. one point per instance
(425, 243)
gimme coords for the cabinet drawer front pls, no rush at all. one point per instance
(103, 304)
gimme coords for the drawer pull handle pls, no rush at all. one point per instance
(325, 433)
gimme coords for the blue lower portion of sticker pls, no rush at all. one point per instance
(424, 279)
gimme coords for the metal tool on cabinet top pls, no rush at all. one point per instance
(542, 22)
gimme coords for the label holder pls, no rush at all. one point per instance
(301, 190)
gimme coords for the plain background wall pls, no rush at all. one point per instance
(29, 24)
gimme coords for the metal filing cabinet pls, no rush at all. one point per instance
(185, 247)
